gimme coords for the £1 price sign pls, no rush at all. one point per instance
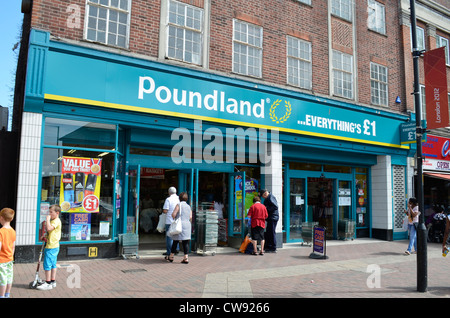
(91, 203)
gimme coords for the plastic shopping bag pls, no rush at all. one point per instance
(244, 244)
(162, 223)
(405, 223)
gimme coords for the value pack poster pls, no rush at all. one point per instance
(80, 184)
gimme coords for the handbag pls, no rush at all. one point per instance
(176, 227)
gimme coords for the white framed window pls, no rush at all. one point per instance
(108, 22)
(342, 74)
(376, 17)
(305, 1)
(423, 105)
(443, 42)
(342, 9)
(420, 33)
(378, 84)
(299, 66)
(247, 48)
(184, 32)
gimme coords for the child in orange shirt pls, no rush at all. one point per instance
(7, 247)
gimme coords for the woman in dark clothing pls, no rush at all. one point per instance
(271, 204)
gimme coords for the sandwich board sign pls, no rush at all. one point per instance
(319, 243)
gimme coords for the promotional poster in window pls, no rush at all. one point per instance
(80, 184)
(251, 190)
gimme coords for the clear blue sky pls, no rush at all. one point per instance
(10, 26)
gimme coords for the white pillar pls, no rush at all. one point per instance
(382, 195)
(28, 181)
(272, 172)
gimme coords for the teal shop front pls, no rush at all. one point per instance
(153, 125)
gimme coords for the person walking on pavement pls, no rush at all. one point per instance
(168, 207)
(258, 215)
(182, 210)
(413, 218)
(271, 204)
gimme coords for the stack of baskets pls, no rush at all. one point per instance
(207, 231)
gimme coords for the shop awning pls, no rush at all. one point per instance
(443, 176)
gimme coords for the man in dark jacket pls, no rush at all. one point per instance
(271, 205)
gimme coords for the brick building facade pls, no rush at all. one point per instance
(134, 70)
(433, 29)
(313, 23)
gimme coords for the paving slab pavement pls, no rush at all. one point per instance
(362, 268)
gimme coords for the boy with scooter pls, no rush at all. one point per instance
(53, 227)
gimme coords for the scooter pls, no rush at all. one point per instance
(37, 280)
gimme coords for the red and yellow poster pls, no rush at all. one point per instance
(80, 184)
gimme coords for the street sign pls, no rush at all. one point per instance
(408, 133)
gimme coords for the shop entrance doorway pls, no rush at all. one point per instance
(148, 190)
(321, 203)
(325, 199)
(154, 186)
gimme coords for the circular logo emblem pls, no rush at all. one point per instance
(287, 114)
(90, 203)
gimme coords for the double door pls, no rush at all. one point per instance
(187, 182)
(317, 198)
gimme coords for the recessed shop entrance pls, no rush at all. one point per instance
(312, 201)
(319, 198)
(148, 189)
(223, 192)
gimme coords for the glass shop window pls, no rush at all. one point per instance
(362, 196)
(305, 166)
(72, 133)
(80, 180)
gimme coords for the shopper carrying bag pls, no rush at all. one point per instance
(176, 226)
(182, 213)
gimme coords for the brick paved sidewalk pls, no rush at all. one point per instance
(290, 273)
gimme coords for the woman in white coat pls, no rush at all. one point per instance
(184, 211)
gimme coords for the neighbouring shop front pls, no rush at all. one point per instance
(436, 172)
(107, 135)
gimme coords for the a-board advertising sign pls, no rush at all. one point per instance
(319, 243)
